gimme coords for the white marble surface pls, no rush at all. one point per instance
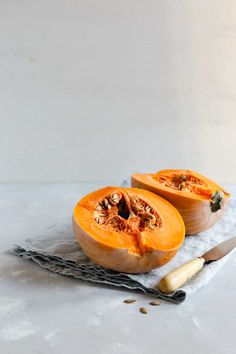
(41, 312)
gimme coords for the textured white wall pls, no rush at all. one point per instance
(92, 89)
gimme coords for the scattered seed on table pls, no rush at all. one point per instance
(143, 310)
(155, 303)
(129, 301)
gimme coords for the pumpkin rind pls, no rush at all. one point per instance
(200, 208)
(123, 251)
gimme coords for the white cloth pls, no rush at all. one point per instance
(58, 251)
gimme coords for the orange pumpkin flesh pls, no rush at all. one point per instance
(127, 229)
(200, 201)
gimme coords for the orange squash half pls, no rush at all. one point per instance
(128, 229)
(200, 201)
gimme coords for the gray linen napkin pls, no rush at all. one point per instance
(58, 251)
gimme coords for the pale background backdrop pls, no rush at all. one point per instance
(90, 90)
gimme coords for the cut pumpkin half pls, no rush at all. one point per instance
(128, 229)
(200, 201)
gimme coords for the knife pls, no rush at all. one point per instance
(182, 274)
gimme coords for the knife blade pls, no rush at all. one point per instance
(179, 276)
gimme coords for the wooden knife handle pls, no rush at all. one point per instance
(181, 275)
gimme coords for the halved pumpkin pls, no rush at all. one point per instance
(128, 229)
(200, 201)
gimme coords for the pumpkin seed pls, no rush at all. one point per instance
(153, 226)
(106, 203)
(129, 301)
(100, 220)
(143, 310)
(135, 200)
(115, 198)
(155, 303)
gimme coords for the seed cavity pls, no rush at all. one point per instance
(185, 183)
(123, 212)
(123, 209)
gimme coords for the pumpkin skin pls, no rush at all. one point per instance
(200, 201)
(136, 248)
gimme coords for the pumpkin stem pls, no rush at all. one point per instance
(216, 201)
